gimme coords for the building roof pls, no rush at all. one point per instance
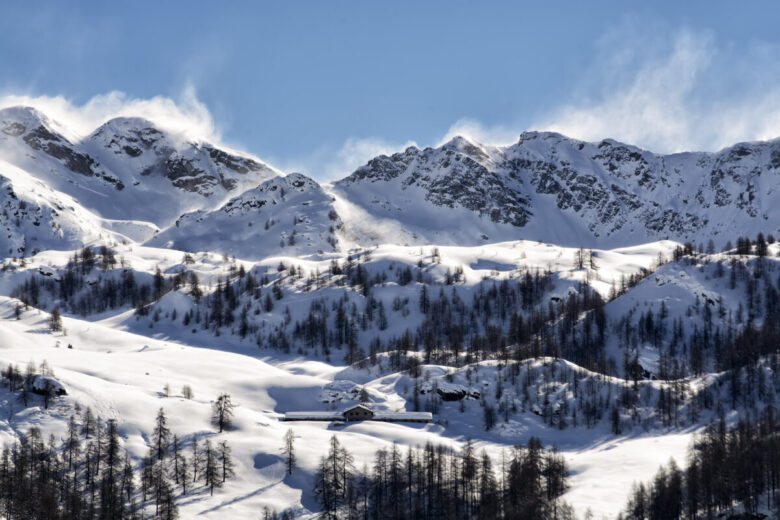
(314, 416)
(358, 407)
(378, 416)
(403, 416)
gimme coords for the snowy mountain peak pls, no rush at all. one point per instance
(464, 144)
(285, 215)
(130, 139)
(129, 168)
(26, 116)
(550, 187)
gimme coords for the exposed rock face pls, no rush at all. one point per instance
(452, 391)
(604, 193)
(34, 218)
(543, 187)
(38, 133)
(193, 167)
(47, 385)
(458, 174)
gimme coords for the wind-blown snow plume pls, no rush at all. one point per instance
(185, 116)
(660, 90)
(672, 99)
(332, 163)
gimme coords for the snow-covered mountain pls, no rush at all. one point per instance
(544, 187)
(549, 187)
(127, 169)
(288, 216)
(511, 291)
(34, 217)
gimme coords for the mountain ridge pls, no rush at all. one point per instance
(545, 186)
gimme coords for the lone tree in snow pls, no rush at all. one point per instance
(161, 436)
(592, 264)
(222, 412)
(211, 474)
(226, 461)
(289, 451)
(55, 320)
(579, 258)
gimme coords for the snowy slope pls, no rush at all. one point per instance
(34, 217)
(447, 271)
(287, 216)
(121, 375)
(120, 363)
(710, 295)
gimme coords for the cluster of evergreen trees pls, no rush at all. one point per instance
(723, 339)
(502, 318)
(23, 383)
(729, 469)
(81, 292)
(87, 475)
(436, 482)
(509, 319)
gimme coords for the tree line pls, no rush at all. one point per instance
(437, 482)
(87, 475)
(729, 470)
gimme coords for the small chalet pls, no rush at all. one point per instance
(360, 412)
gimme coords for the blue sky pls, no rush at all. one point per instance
(321, 86)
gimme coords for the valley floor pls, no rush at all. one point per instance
(121, 374)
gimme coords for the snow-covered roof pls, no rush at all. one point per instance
(378, 416)
(313, 416)
(359, 407)
(403, 416)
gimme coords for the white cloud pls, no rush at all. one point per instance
(662, 90)
(667, 91)
(673, 101)
(328, 164)
(495, 135)
(186, 115)
(356, 152)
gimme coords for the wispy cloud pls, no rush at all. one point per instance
(189, 117)
(328, 163)
(690, 94)
(185, 115)
(495, 135)
(664, 90)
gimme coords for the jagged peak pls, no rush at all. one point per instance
(291, 182)
(29, 118)
(298, 179)
(465, 144)
(458, 141)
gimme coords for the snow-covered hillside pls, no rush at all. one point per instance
(283, 216)
(122, 375)
(34, 217)
(543, 289)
